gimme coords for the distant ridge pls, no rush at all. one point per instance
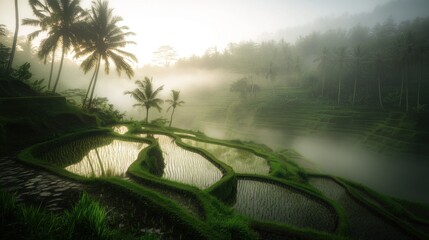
(399, 10)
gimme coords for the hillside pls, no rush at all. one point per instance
(28, 117)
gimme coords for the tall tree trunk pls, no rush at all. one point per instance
(91, 98)
(323, 84)
(406, 95)
(339, 90)
(380, 99)
(419, 85)
(147, 115)
(59, 70)
(354, 92)
(90, 84)
(15, 38)
(52, 69)
(171, 118)
(402, 89)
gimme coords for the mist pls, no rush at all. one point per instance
(297, 99)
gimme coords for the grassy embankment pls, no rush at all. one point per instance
(293, 112)
(218, 220)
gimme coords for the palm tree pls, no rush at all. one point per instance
(65, 23)
(146, 96)
(174, 102)
(340, 60)
(45, 20)
(103, 40)
(324, 61)
(2, 30)
(15, 38)
(404, 56)
(379, 64)
(271, 74)
(357, 58)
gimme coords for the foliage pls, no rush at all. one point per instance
(146, 95)
(174, 102)
(86, 220)
(164, 55)
(62, 21)
(23, 72)
(346, 70)
(244, 88)
(106, 111)
(102, 39)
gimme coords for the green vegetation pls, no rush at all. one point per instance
(102, 39)
(85, 220)
(360, 83)
(174, 102)
(146, 96)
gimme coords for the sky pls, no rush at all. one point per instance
(193, 26)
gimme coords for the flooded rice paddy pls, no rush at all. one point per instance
(95, 156)
(241, 161)
(363, 223)
(120, 129)
(185, 166)
(269, 202)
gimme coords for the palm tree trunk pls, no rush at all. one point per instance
(91, 98)
(90, 84)
(419, 85)
(402, 89)
(406, 96)
(15, 38)
(171, 118)
(52, 69)
(354, 91)
(59, 70)
(379, 93)
(339, 90)
(147, 115)
(323, 85)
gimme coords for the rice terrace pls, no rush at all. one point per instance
(214, 119)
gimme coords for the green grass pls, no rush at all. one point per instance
(217, 221)
(85, 220)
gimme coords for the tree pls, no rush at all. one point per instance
(404, 56)
(102, 39)
(45, 20)
(164, 55)
(146, 96)
(271, 74)
(357, 58)
(340, 60)
(379, 64)
(2, 30)
(15, 38)
(241, 86)
(324, 60)
(66, 22)
(174, 102)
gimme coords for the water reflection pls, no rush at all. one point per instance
(96, 156)
(120, 129)
(240, 160)
(185, 166)
(269, 202)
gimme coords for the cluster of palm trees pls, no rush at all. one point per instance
(93, 35)
(403, 56)
(147, 97)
